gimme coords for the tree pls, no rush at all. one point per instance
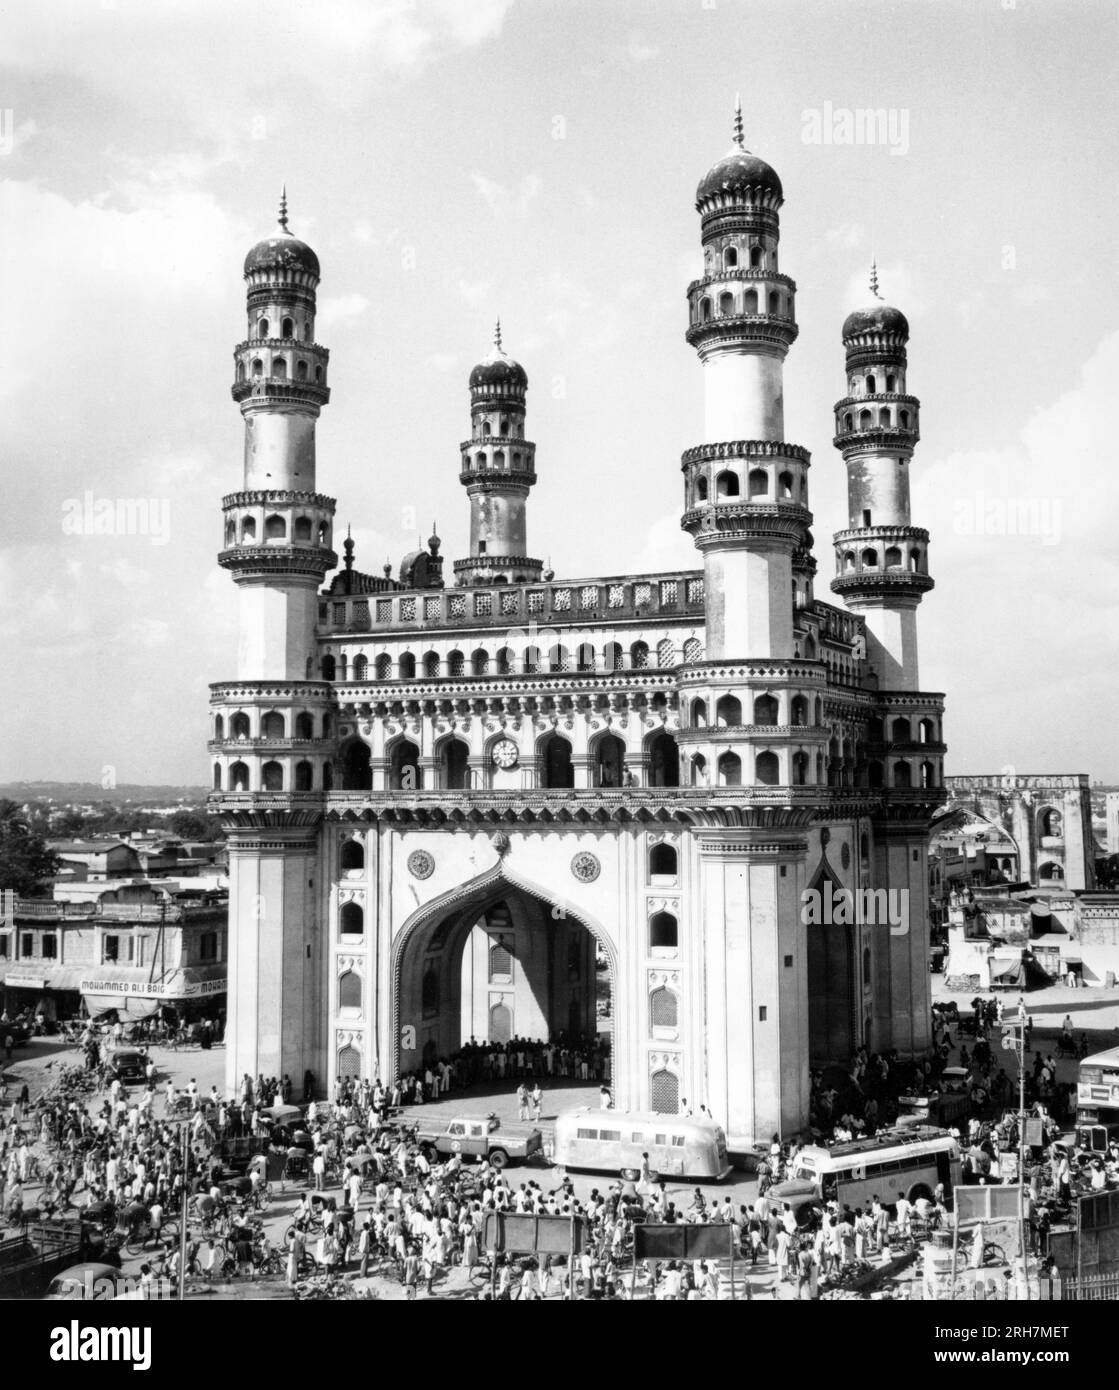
(189, 825)
(24, 856)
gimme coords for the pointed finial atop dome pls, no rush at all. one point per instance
(283, 218)
(874, 279)
(497, 336)
(387, 567)
(739, 137)
(433, 541)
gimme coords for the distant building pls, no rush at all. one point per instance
(134, 948)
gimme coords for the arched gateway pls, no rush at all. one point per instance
(493, 959)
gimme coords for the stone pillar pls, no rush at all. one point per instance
(754, 1030)
(276, 1009)
(903, 1015)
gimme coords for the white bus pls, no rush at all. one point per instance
(610, 1140)
(912, 1161)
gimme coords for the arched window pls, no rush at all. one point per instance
(349, 992)
(584, 657)
(382, 667)
(301, 370)
(699, 714)
(559, 659)
(532, 661)
(361, 668)
(239, 726)
(217, 777)
(757, 258)
(501, 963)
(349, 1063)
(701, 489)
(666, 653)
(352, 855)
(406, 666)
(454, 771)
(404, 767)
(767, 770)
(501, 1024)
(664, 1092)
(318, 374)
(351, 919)
(429, 992)
(928, 774)
(639, 655)
(287, 329)
(262, 328)
(766, 710)
(903, 417)
(302, 529)
(308, 334)
(866, 420)
(730, 257)
(884, 418)
(728, 712)
(219, 727)
(327, 777)
(357, 774)
(240, 371)
(693, 649)
(870, 559)
(663, 931)
(662, 1008)
(456, 664)
(774, 302)
(891, 382)
(893, 558)
(238, 778)
(800, 768)
(230, 533)
(272, 777)
(258, 367)
(280, 368)
(499, 458)
(609, 757)
(304, 776)
(926, 731)
(758, 482)
(248, 529)
(903, 775)
(505, 661)
(555, 762)
(727, 485)
(848, 421)
(726, 304)
(612, 656)
(479, 662)
(750, 302)
(798, 710)
(664, 760)
(871, 386)
(730, 770)
(329, 666)
(810, 650)
(915, 561)
(698, 770)
(704, 310)
(901, 732)
(662, 860)
(785, 486)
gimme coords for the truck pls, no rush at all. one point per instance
(481, 1137)
(31, 1255)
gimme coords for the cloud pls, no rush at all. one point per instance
(507, 203)
(340, 309)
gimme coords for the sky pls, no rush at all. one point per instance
(454, 161)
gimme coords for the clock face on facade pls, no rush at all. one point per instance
(505, 753)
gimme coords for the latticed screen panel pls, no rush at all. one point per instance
(663, 1008)
(501, 962)
(665, 1093)
(349, 1063)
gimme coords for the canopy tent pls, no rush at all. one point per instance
(126, 1007)
(1007, 972)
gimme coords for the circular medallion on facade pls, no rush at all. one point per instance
(421, 864)
(504, 753)
(845, 856)
(585, 867)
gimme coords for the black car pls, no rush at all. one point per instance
(129, 1065)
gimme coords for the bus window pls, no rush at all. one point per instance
(612, 1134)
(637, 1137)
(677, 1141)
(661, 1139)
(586, 1134)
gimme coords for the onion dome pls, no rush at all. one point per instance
(878, 318)
(281, 250)
(498, 369)
(739, 173)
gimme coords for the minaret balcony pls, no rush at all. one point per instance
(266, 391)
(279, 560)
(736, 519)
(738, 332)
(869, 583)
(498, 479)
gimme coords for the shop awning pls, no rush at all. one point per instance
(1007, 972)
(123, 1005)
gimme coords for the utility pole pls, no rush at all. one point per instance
(1014, 1039)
